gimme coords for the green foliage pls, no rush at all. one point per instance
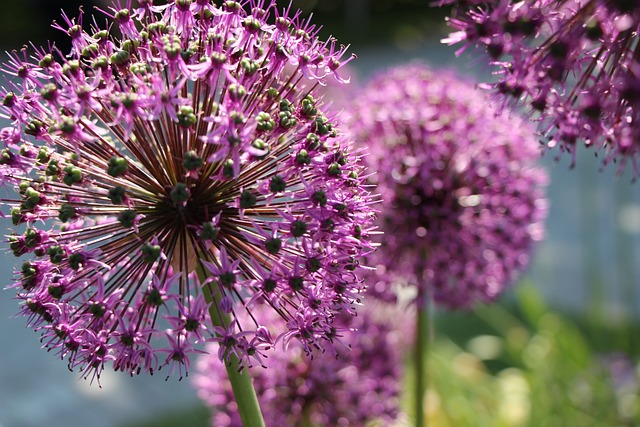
(190, 417)
(526, 367)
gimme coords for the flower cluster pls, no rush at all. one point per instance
(463, 197)
(360, 386)
(183, 169)
(573, 63)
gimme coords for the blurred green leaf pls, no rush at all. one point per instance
(523, 365)
(530, 302)
(190, 417)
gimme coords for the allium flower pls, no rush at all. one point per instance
(360, 386)
(574, 63)
(183, 169)
(463, 198)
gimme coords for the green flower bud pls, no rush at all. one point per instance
(334, 169)
(227, 279)
(31, 198)
(55, 291)
(67, 212)
(186, 117)
(150, 253)
(56, 254)
(273, 245)
(116, 195)
(117, 166)
(298, 228)
(72, 175)
(120, 58)
(192, 161)
(209, 231)
(247, 199)
(296, 283)
(180, 193)
(127, 218)
(303, 158)
(75, 261)
(277, 184)
(320, 197)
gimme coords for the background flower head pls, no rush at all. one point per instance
(573, 63)
(358, 386)
(186, 163)
(463, 200)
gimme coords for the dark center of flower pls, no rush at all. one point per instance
(428, 207)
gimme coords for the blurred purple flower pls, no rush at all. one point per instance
(355, 387)
(573, 63)
(622, 371)
(463, 200)
(181, 148)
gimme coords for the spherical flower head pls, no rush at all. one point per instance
(359, 385)
(572, 63)
(462, 197)
(186, 168)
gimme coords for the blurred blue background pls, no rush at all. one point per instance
(586, 267)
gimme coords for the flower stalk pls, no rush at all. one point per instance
(421, 355)
(239, 377)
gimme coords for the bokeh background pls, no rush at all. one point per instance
(560, 349)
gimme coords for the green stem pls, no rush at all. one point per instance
(245, 394)
(420, 353)
(305, 420)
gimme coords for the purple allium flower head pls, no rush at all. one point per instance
(359, 385)
(190, 157)
(573, 63)
(463, 202)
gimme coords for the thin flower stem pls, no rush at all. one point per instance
(423, 336)
(421, 353)
(245, 395)
(305, 421)
(243, 390)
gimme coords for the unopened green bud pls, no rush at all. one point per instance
(116, 195)
(247, 199)
(192, 161)
(127, 218)
(56, 254)
(273, 245)
(67, 212)
(277, 184)
(75, 261)
(186, 117)
(298, 228)
(303, 158)
(334, 169)
(209, 231)
(150, 253)
(72, 175)
(117, 166)
(180, 193)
